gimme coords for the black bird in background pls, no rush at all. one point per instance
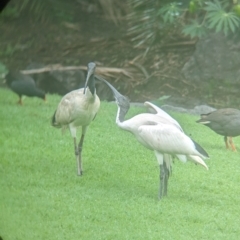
(23, 85)
(225, 122)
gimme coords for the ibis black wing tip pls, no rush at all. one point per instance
(200, 149)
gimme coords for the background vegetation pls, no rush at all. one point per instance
(116, 198)
(154, 21)
(156, 38)
(149, 21)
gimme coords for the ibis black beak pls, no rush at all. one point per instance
(114, 90)
(91, 70)
(120, 99)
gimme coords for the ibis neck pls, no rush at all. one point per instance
(91, 84)
(121, 113)
(89, 94)
(119, 117)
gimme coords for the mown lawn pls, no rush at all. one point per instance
(41, 197)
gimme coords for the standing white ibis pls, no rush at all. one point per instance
(23, 85)
(225, 122)
(160, 133)
(77, 109)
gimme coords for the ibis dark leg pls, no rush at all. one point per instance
(79, 172)
(164, 175)
(80, 145)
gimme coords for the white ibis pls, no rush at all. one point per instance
(77, 109)
(225, 122)
(23, 85)
(160, 133)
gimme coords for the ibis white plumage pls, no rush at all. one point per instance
(77, 109)
(160, 133)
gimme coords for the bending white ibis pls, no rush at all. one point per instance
(225, 122)
(23, 85)
(160, 133)
(76, 109)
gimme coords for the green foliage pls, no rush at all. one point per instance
(116, 198)
(9, 50)
(34, 8)
(143, 22)
(195, 30)
(38, 10)
(195, 19)
(221, 20)
(170, 12)
(10, 12)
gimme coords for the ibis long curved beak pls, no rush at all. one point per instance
(91, 70)
(120, 99)
(116, 94)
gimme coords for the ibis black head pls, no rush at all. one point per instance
(123, 104)
(90, 81)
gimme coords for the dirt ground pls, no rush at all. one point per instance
(91, 37)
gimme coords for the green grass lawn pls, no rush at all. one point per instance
(41, 197)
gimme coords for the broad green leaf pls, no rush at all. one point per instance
(212, 22)
(231, 24)
(219, 25)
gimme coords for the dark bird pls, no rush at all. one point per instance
(23, 85)
(77, 109)
(225, 122)
(160, 133)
